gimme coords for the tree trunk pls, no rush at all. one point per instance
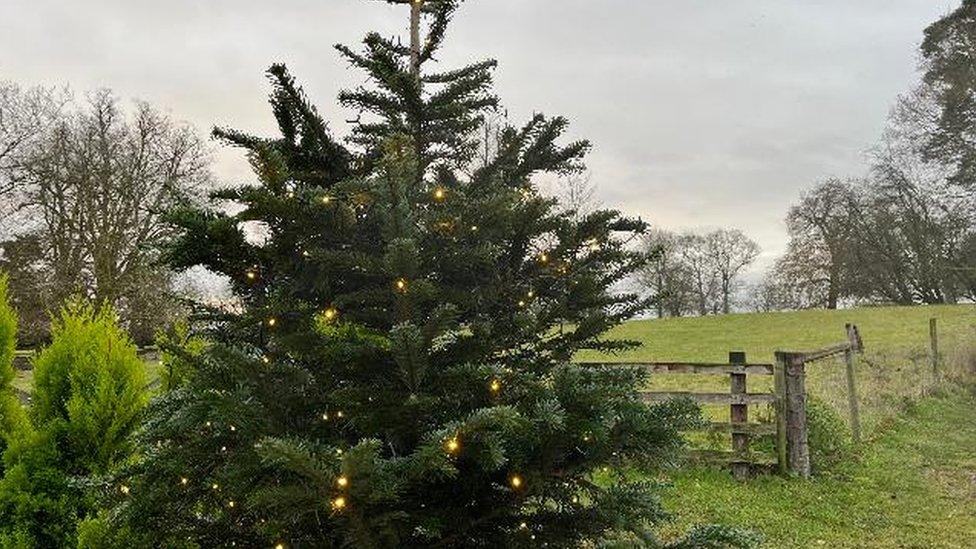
(415, 37)
(660, 298)
(832, 294)
(726, 298)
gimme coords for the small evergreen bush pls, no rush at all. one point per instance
(11, 413)
(8, 335)
(89, 392)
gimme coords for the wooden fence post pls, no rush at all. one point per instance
(779, 384)
(739, 415)
(796, 414)
(934, 340)
(852, 386)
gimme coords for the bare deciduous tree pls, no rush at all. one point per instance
(819, 249)
(696, 273)
(911, 223)
(93, 192)
(730, 251)
(666, 277)
(695, 257)
(577, 192)
(25, 115)
(898, 236)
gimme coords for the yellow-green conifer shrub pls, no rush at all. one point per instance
(88, 397)
(8, 335)
(92, 379)
(11, 413)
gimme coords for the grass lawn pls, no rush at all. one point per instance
(912, 485)
(915, 486)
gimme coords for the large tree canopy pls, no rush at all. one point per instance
(947, 52)
(86, 206)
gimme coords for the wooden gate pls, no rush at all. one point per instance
(741, 459)
(788, 400)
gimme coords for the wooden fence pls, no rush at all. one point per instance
(740, 458)
(792, 364)
(788, 400)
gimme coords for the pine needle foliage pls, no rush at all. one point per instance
(396, 369)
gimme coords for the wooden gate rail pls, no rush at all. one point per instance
(754, 429)
(716, 368)
(788, 399)
(741, 460)
(711, 398)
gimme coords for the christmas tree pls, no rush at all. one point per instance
(396, 370)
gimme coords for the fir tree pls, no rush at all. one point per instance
(397, 371)
(948, 73)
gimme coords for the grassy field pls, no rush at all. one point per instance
(913, 487)
(894, 369)
(913, 484)
(892, 329)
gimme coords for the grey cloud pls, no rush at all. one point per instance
(702, 113)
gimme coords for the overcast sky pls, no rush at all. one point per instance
(702, 113)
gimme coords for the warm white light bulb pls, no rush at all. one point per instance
(515, 481)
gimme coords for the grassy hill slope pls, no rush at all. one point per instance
(895, 368)
(893, 329)
(913, 484)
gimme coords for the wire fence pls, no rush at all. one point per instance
(889, 380)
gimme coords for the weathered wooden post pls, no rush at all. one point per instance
(739, 416)
(934, 340)
(779, 384)
(852, 403)
(798, 450)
